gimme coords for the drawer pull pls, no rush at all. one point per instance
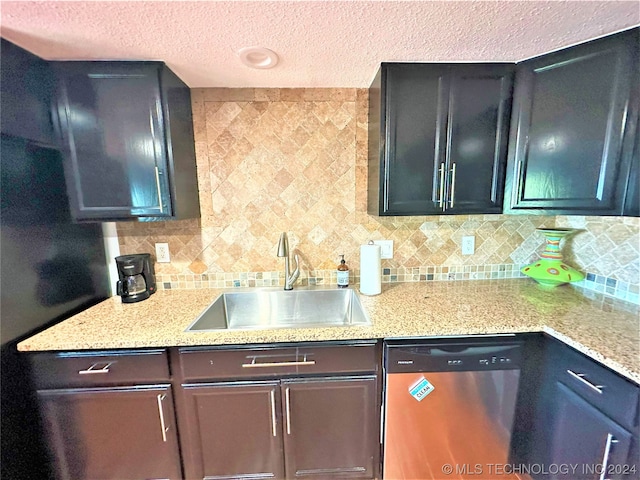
(163, 426)
(295, 363)
(605, 457)
(580, 377)
(93, 369)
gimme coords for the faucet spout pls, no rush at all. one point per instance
(283, 251)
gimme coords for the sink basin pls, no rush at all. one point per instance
(264, 309)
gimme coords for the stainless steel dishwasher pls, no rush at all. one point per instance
(449, 407)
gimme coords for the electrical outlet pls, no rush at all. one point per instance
(386, 248)
(162, 253)
(468, 245)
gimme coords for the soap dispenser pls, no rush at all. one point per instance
(343, 274)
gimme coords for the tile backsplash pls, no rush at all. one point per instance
(295, 160)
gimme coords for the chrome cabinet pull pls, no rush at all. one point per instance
(605, 457)
(453, 184)
(164, 428)
(273, 413)
(295, 363)
(580, 377)
(159, 190)
(93, 369)
(441, 170)
(288, 410)
(278, 364)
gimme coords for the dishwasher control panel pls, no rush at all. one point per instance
(443, 356)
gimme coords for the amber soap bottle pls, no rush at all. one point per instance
(343, 274)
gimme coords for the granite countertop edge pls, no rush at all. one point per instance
(604, 329)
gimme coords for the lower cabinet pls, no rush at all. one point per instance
(586, 422)
(307, 411)
(112, 433)
(330, 427)
(584, 437)
(108, 415)
(235, 430)
(295, 428)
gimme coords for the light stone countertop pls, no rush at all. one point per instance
(608, 330)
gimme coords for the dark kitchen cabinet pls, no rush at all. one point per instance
(112, 433)
(585, 416)
(108, 415)
(438, 137)
(26, 91)
(330, 427)
(574, 110)
(127, 136)
(236, 430)
(585, 437)
(272, 411)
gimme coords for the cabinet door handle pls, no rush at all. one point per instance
(159, 190)
(580, 378)
(453, 184)
(441, 171)
(93, 369)
(605, 457)
(163, 426)
(287, 409)
(273, 413)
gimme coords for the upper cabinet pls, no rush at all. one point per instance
(438, 138)
(573, 128)
(26, 89)
(127, 135)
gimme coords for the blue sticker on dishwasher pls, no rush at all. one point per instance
(421, 389)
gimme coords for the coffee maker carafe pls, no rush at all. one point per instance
(136, 277)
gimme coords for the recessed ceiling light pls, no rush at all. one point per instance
(258, 57)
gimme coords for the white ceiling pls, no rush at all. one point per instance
(320, 43)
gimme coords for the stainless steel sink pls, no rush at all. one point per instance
(264, 309)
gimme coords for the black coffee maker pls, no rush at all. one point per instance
(137, 280)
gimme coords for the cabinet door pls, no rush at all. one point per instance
(234, 431)
(477, 137)
(414, 119)
(331, 427)
(112, 433)
(572, 110)
(583, 436)
(111, 120)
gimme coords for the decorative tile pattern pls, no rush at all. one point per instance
(295, 160)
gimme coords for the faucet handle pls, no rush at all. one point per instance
(296, 272)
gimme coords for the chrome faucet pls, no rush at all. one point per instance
(283, 251)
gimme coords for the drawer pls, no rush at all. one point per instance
(202, 364)
(78, 369)
(601, 387)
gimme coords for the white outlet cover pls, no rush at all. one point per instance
(162, 253)
(468, 245)
(386, 248)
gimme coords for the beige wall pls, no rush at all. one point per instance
(294, 160)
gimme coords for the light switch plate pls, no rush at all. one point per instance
(468, 245)
(162, 253)
(386, 248)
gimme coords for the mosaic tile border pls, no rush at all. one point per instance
(328, 277)
(610, 287)
(607, 287)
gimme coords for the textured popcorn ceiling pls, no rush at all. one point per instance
(320, 43)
